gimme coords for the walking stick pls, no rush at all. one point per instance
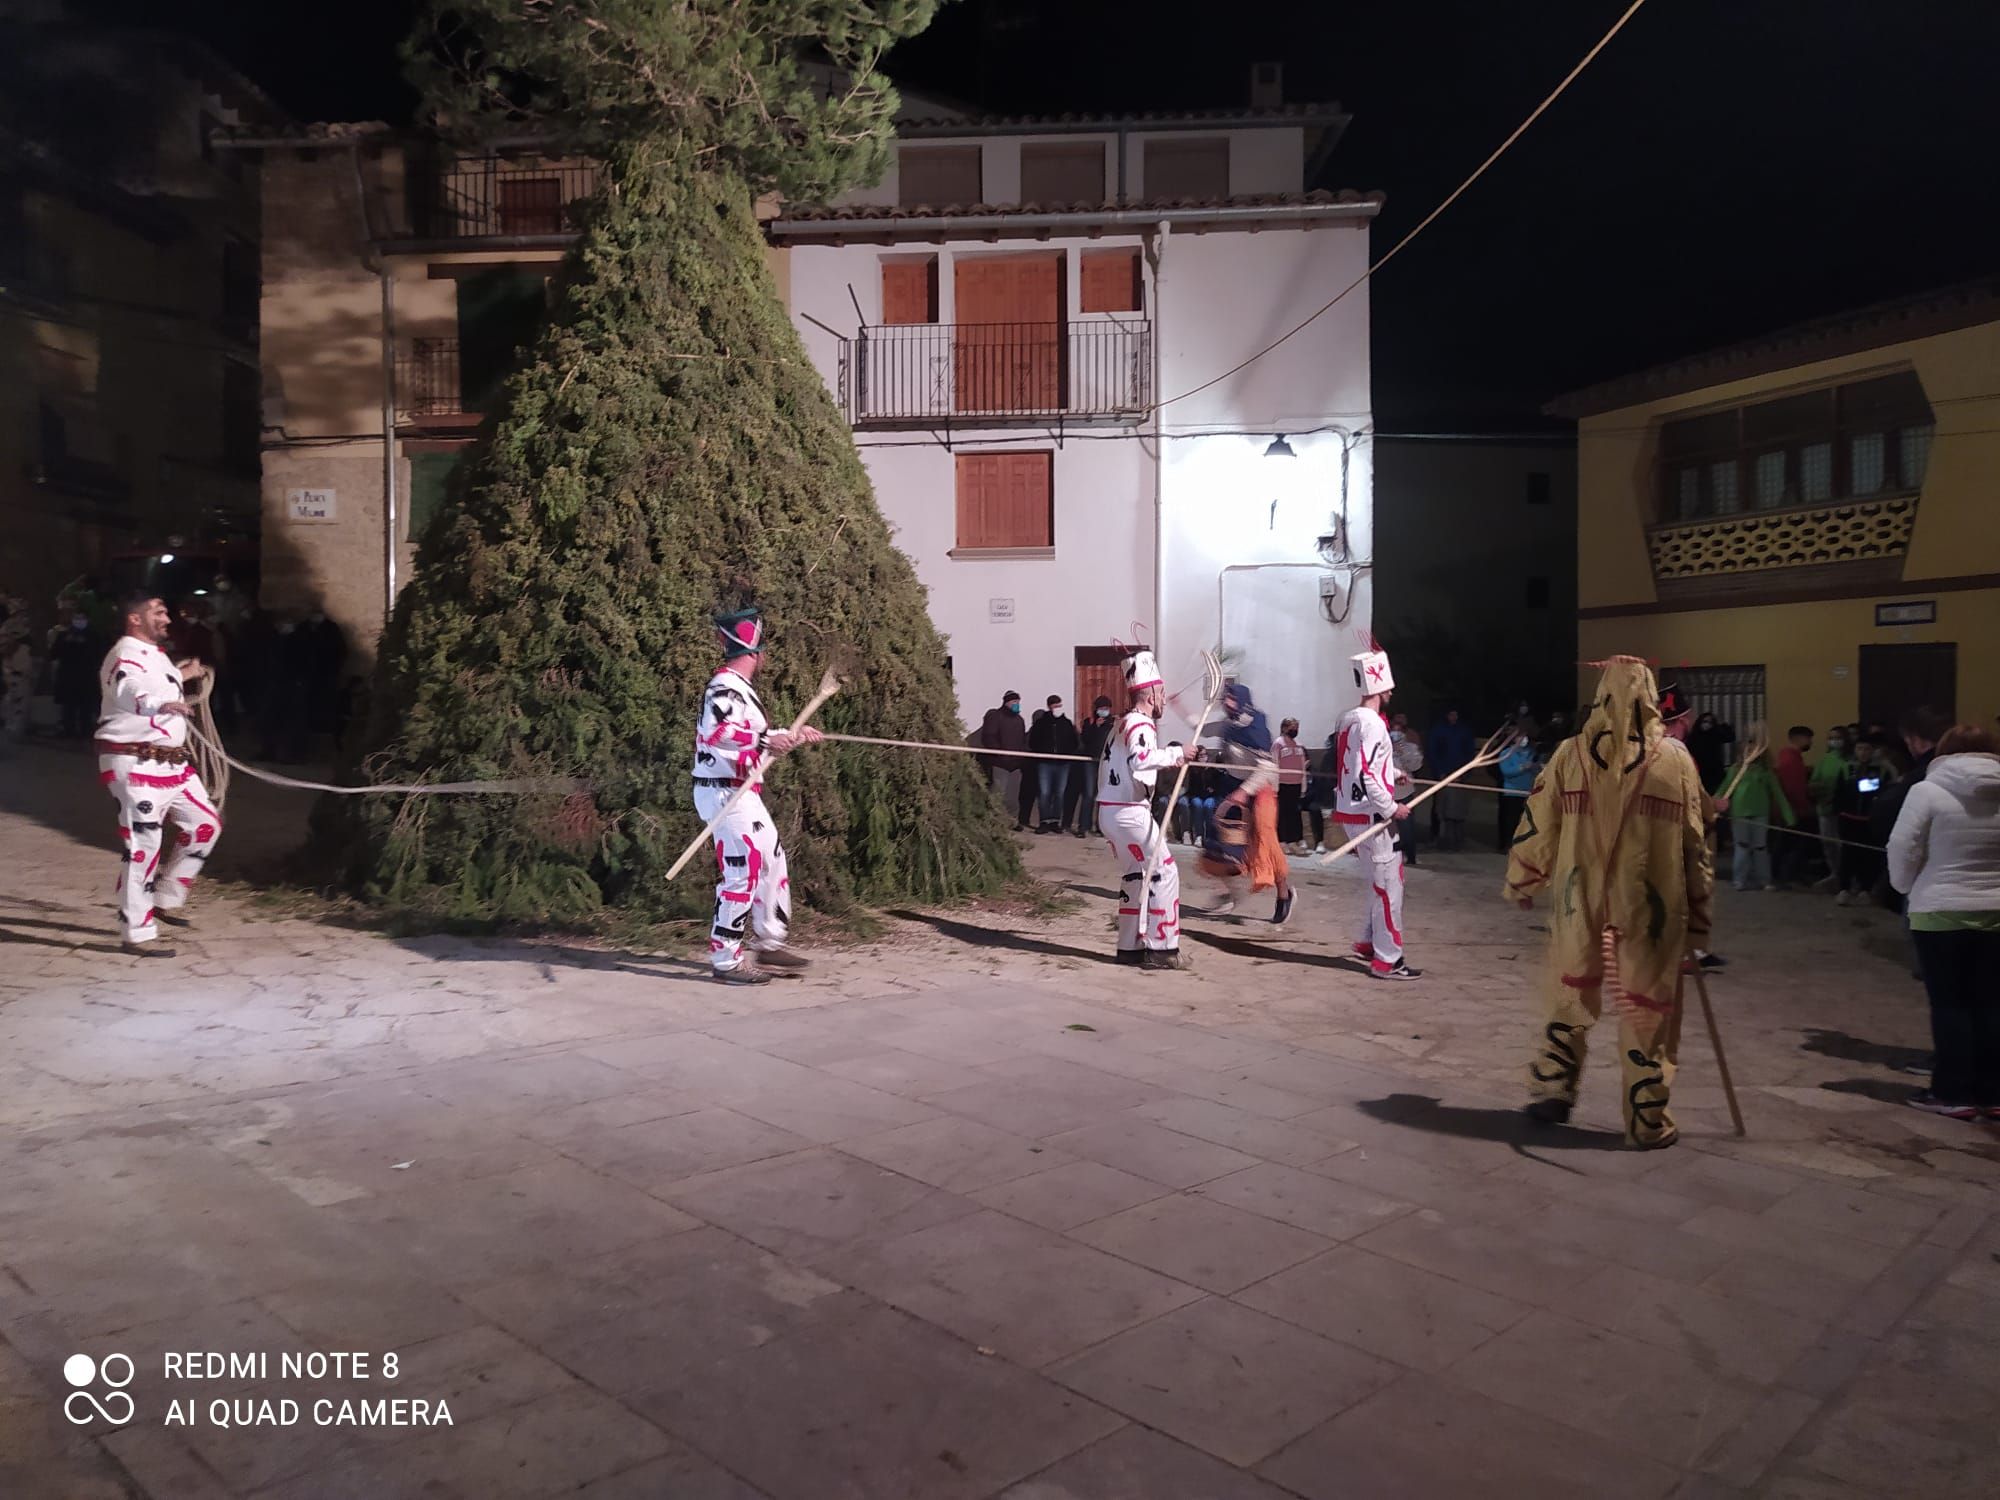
(1489, 755)
(1211, 666)
(1715, 1041)
(829, 684)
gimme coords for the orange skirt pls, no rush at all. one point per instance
(1265, 864)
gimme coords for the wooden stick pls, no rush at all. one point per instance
(1715, 1041)
(1489, 755)
(1157, 845)
(1757, 746)
(868, 739)
(828, 686)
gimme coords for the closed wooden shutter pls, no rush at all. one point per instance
(530, 205)
(1063, 172)
(909, 289)
(1006, 500)
(1195, 170)
(1009, 345)
(937, 176)
(1110, 280)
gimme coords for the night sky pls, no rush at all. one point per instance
(1724, 168)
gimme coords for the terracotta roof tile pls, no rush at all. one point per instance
(891, 212)
(1893, 322)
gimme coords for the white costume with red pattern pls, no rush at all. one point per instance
(754, 893)
(1367, 795)
(1133, 758)
(137, 679)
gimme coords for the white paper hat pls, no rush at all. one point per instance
(1372, 674)
(1142, 671)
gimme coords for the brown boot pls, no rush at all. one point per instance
(783, 960)
(154, 949)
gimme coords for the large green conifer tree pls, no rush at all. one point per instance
(668, 450)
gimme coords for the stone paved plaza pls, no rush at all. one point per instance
(968, 1213)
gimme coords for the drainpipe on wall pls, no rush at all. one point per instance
(1158, 253)
(388, 444)
(373, 260)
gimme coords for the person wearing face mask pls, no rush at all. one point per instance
(74, 656)
(1091, 741)
(1053, 733)
(1003, 733)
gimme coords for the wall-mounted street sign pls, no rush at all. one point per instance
(1000, 611)
(309, 505)
(1915, 612)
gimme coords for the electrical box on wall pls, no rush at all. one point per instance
(1329, 585)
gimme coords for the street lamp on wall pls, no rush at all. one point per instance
(1280, 448)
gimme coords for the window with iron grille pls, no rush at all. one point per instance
(1823, 447)
(1735, 695)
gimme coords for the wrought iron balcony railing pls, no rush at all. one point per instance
(928, 372)
(497, 197)
(427, 383)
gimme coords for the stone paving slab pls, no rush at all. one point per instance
(902, 1229)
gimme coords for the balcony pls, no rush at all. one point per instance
(428, 390)
(493, 197)
(922, 374)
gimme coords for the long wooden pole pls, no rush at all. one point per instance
(1715, 1042)
(869, 739)
(828, 686)
(1157, 844)
(1488, 756)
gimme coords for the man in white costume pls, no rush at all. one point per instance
(142, 760)
(734, 741)
(1369, 777)
(1149, 912)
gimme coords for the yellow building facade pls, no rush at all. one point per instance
(1804, 528)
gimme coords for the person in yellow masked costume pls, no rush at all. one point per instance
(1615, 829)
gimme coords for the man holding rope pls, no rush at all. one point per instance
(1368, 775)
(142, 760)
(1149, 909)
(734, 741)
(1617, 829)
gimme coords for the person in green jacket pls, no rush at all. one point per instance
(1759, 800)
(1831, 769)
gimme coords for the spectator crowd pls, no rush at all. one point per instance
(280, 693)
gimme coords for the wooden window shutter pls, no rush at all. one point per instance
(1006, 500)
(910, 289)
(1110, 281)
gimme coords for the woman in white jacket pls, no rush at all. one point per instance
(1945, 855)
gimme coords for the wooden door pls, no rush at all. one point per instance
(1100, 673)
(1008, 354)
(1896, 679)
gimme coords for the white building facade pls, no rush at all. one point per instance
(1034, 327)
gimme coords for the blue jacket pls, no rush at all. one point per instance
(1449, 746)
(1517, 768)
(1247, 727)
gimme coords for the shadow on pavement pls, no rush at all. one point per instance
(991, 937)
(1838, 1044)
(1882, 1090)
(1268, 950)
(1508, 1126)
(66, 946)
